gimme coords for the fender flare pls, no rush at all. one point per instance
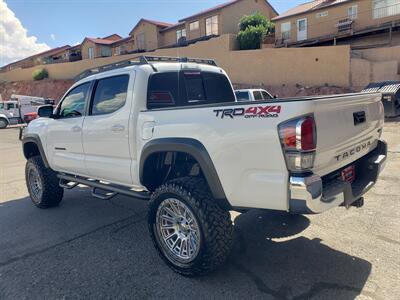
(34, 138)
(195, 149)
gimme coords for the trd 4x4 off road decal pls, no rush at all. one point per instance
(270, 111)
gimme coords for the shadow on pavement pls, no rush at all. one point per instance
(293, 267)
(93, 248)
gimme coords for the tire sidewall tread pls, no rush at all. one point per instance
(215, 224)
(52, 193)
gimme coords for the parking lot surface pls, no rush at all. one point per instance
(88, 248)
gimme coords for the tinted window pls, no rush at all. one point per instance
(257, 95)
(194, 87)
(163, 90)
(242, 96)
(110, 95)
(188, 88)
(218, 88)
(265, 95)
(73, 104)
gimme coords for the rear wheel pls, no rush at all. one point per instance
(42, 183)
(3, 123)
(192, 234)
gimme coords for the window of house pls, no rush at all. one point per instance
(187, 88)
(73, 104)
(91, 52)
(385, 8)
(352, 12)
(212, 25)
(180, 34)
(285, 31)
(105, 51)
(110, 95)
(118, 50)
(321, 14)
(194, 26)
(140, 41)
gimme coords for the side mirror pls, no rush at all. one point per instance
(45, 111)
(276, 96)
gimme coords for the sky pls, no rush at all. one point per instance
(32, 26)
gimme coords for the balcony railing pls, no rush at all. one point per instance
(345, 25)
(387, 11)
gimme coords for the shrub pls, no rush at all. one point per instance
(253, 30)
(40, 74)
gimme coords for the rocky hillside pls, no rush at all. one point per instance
(47, 88)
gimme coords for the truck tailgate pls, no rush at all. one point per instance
(347, 129)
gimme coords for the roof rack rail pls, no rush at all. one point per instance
(142, 60)
(181, 59)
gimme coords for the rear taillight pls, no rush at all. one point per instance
(299, 140)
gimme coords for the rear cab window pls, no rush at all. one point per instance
(187, 88)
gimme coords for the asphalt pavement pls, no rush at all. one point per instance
(89, 248)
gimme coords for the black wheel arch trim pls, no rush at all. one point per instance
(34, 138)
(199, 153)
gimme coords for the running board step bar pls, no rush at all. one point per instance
(69, 182)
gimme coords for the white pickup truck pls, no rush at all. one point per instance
(168, 130)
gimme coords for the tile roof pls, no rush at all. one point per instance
(218, 7)
(100, 41)
(308, 7)
(172, 26)
(47, 52)
(156, 23)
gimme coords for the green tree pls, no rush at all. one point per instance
(253, 30)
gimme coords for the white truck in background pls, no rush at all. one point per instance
(169, 130)
(12, 112)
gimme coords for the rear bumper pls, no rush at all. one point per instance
(312, 194)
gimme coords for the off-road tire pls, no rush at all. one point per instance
(215, 224)
(51, 194)
(3, 123)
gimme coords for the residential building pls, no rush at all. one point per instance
(332, 21)
(98, 47)
(123, 46)
(146, 34)
(49, 56)
(222, 19)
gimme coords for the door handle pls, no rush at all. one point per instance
(118, 128)
(76, 129)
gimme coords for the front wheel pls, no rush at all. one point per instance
(3, 123)
(42, 183)
(192, 234)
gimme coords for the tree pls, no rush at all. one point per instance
(253, 30)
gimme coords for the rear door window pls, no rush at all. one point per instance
(257, 95)
(187, 88)
(110, 95)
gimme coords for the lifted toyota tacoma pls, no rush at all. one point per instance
(168, 130)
